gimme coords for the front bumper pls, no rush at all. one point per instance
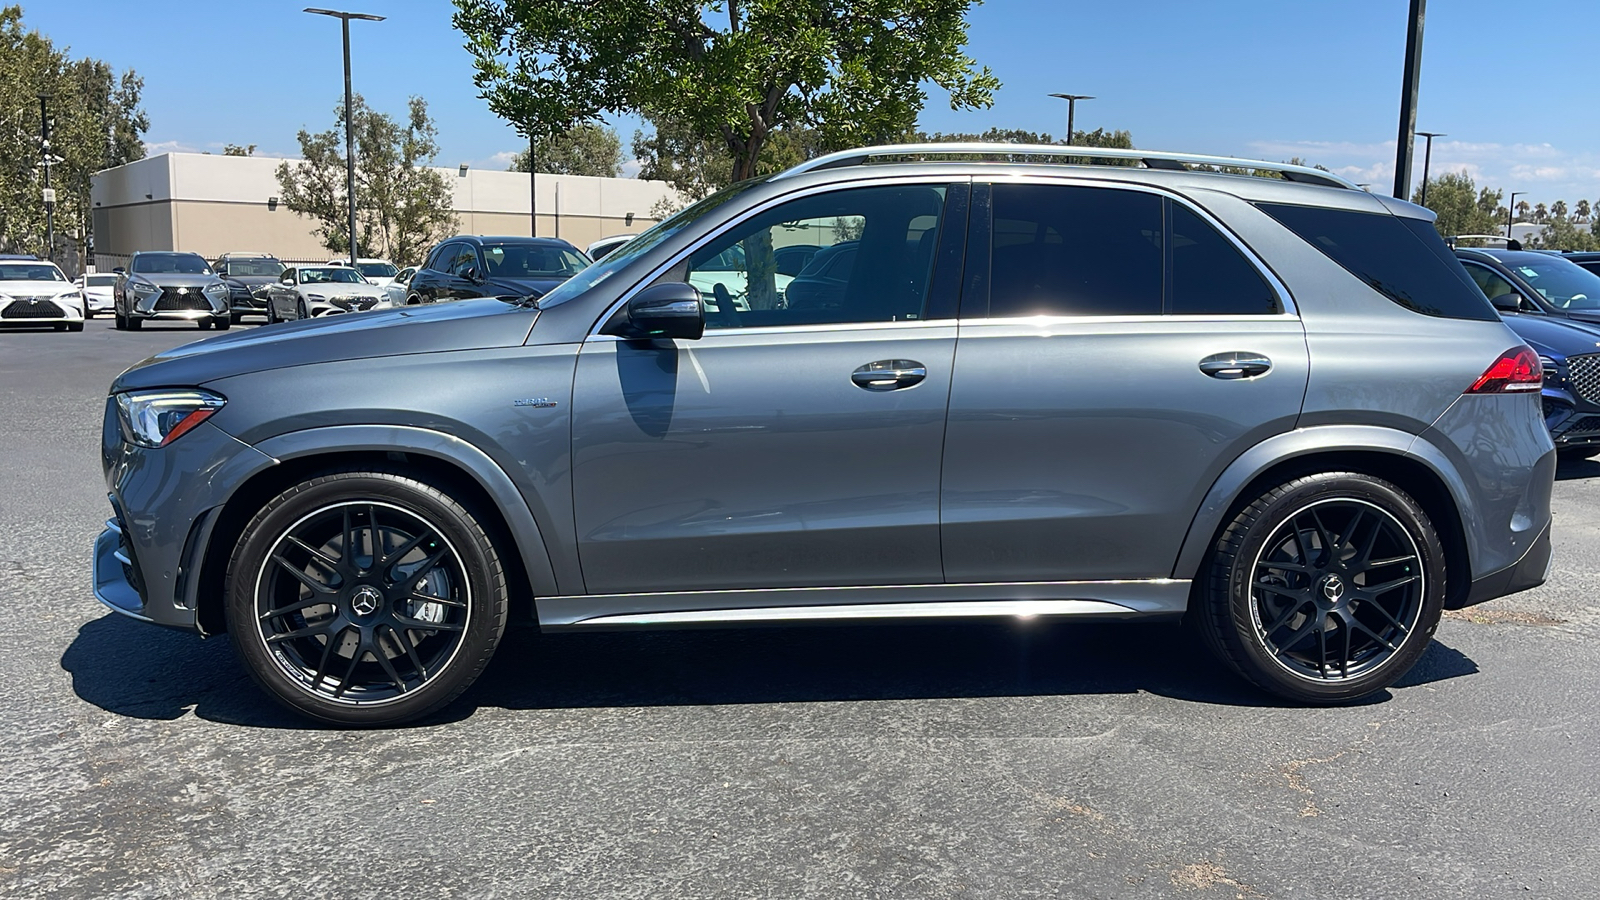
(185, 309)
(38, 312)
(165, 502)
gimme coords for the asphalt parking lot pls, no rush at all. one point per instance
(948, 760)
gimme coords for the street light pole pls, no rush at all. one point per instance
(349, 119)
(49, 192)
(1072, 107)
(533, 193)
(1511, 211)
(1427, 159)
(1408, 100)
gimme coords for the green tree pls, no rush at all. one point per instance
(1462, 207)
(98, 123)
(1581, 210)
(236, 150)
(584, 149)
(733, 71)
(1541, 215)
(1522, 210)
(1558, 210)
(404, 207)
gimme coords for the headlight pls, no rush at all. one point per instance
(1552, 369)
(140, 287)
(157, 418)
(215, 288)
(315, 297)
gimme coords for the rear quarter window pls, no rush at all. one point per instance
(1401, 258)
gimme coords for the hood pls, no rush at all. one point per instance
(342, 290)
(433, 328)
(173, 279)
(45, 289)
(1556, 337)
(254, 281)
(519, 287)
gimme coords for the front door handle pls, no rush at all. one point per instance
(889, 374)
(1233, 366)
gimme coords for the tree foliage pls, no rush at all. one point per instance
(404, 207)
(237, 150)
(735, 72)
(587, 148)
(98, 123)
(1462, 207)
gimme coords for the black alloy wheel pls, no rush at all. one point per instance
(1326, 589)
(365, 598)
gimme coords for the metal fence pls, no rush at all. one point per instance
(106, 262)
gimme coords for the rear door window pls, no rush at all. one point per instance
(1210, 276)
(1077, 251)
(1401, 258)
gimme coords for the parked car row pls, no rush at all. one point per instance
(36, 292)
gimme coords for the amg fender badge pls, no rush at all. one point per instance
(540, 402)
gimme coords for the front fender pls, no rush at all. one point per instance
(447, 448)
(1304, 442)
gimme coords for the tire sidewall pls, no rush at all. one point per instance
(1237, 572)
(479, 560)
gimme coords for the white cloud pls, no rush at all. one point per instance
(630, 169)
(1544, 172)
(159, 147)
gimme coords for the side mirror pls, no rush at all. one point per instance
(119, 270)
(473, 275)
(670, 310)
(1509, 302)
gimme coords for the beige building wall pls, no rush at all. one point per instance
(214, 204)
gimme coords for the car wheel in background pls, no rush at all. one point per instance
(223, 323)
(365, 598)
(300, 310)
(88, 313)
(74, 326)
(234, 318)
(134, 324)
(1325, 589)
(203, 324)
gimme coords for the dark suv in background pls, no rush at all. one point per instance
(1276, 408)
(248, 276)
(476, 266)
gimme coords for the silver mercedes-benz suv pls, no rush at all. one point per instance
(913, 381)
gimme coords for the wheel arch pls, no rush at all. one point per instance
(441, 460)
(1398, 457)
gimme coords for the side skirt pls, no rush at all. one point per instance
(1152, 598)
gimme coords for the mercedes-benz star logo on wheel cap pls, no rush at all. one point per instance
(1333, 588)
(365, 600)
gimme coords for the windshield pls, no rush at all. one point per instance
(170, 264)
(644, 243)
(532, 261)
(331, 275)
(101, 280)
(247, 268)
(377, 269)
(1562, 283)
(30, 272)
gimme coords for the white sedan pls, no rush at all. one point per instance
(312, 291)
(99, 295)
(35, 293)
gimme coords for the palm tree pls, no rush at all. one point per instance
(1540, 214)
(1582, 210)
(1558, 209)
(1522, 209)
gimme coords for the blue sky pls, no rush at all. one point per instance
(1512, 84)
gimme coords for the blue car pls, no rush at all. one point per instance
(1568, 347)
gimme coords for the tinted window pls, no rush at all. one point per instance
(890, 231)
(376, 270)
(331, 275)
(462, 259)
(1489, 281)
(532, 261)
(1065, 250)
(1403, 259)
(439, 258)
(102, 280)
(1209, 274)
(30, 272)
(251, 267)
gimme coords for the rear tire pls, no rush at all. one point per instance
(365, 598)
(1324, 590)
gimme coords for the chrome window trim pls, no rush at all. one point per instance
(1122, 320)
(813, 329)
(865, 180)
(1290, 308)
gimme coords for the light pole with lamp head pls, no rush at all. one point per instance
(1072, 107)
(49, 192)
(349, 116)
(1427, 158)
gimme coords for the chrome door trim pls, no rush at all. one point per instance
(811, 329)
(1132, 597)
(865, 180)
(1290, 308)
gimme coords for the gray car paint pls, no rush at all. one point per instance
(456, 370)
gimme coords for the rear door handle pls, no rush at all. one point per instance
(1233, 366)
(889, 374)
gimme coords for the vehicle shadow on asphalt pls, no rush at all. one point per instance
(1572, 469)
(130, 669)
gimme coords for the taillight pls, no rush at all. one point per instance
(1516, 371)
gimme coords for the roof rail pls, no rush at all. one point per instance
(1153, 159)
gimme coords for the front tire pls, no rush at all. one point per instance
(74, 326)
(365, 598)
(135, 324)
(1324, 590)
(300, 311)
(223, 323)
